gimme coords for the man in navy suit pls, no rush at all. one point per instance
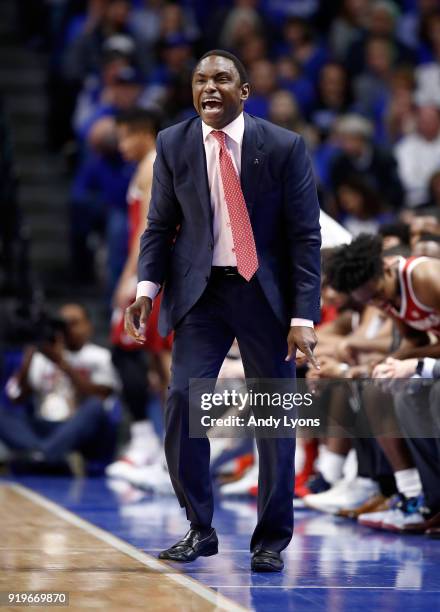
(233, 236)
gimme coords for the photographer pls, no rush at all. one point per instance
(70, 382)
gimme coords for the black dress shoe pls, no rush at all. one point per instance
(191, 546)
(266, 561)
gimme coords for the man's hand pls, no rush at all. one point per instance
(136, 317)
(345, 351)
(304, 339)
(395, 368)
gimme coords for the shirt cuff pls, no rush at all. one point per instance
(147, 289)
(303, 322)
(428, 367)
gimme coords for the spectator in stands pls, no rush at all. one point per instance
(302, 43)
(381, 22)
(348, 27)
(98, 206)
(152, 21)
(427, 245)
(291, 77)
(263, 80)
(253, 49)
(97, 91)
(359, 157)
(394, 235)
(372, 86)
(176, 19)
(85, 52)
(433, 207)
(124, 90)
(399, 115)
(412, 30)
(429, 43)
(72, 385)
(172, 74)
(418, 155)
(361, 207)
(242, 22)
(284, 111)
(334, 98)
(422, 224)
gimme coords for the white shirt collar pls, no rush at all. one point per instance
(234, 130)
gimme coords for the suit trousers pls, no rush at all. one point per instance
(419, 417)
(229, 308)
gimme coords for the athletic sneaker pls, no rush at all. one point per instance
(373, 504)
(343, 494)
(246, 486)
(402, 515)
(153, 478)
(374, 519)
(143, 449)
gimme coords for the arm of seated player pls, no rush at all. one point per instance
(122, 292)
(412, 340)
(426, 283)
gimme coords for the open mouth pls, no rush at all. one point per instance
(212, 105)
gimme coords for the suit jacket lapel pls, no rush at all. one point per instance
(252, 160)
(197, 164)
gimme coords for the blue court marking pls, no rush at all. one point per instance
(332, 564)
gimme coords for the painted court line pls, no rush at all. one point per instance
(216, 599)
(313, 586)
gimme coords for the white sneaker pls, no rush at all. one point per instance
(120, 469)
(247, 485)
(143, 449)
(154, 478)
(403, 515)
(344, 494)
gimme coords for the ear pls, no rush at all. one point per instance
(245, 91)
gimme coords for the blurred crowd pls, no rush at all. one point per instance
(360, 80)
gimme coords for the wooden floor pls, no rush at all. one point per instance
(43, 547)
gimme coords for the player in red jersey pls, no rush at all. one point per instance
(408, 289)
(137, 130)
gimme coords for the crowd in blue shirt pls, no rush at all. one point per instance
(359, 79)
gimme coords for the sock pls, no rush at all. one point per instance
(330, 466)
(408, 482)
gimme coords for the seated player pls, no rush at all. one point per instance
(408, 289)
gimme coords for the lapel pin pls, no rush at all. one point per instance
(256, 161)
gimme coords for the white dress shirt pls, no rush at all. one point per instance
(223, 254)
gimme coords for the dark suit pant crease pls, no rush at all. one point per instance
(230, 308)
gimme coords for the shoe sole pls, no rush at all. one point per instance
(371, 525)
(328, 510)
(264, 568)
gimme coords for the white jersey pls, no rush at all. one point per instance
(55, 394)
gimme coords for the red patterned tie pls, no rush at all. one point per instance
(242, 235)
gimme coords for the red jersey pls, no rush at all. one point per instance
(134, 201)
(412, 311)
(153, 343)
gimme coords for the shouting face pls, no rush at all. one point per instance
(218, 93)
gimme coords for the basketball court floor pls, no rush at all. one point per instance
(100, 546)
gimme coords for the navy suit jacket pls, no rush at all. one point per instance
(278, 186)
